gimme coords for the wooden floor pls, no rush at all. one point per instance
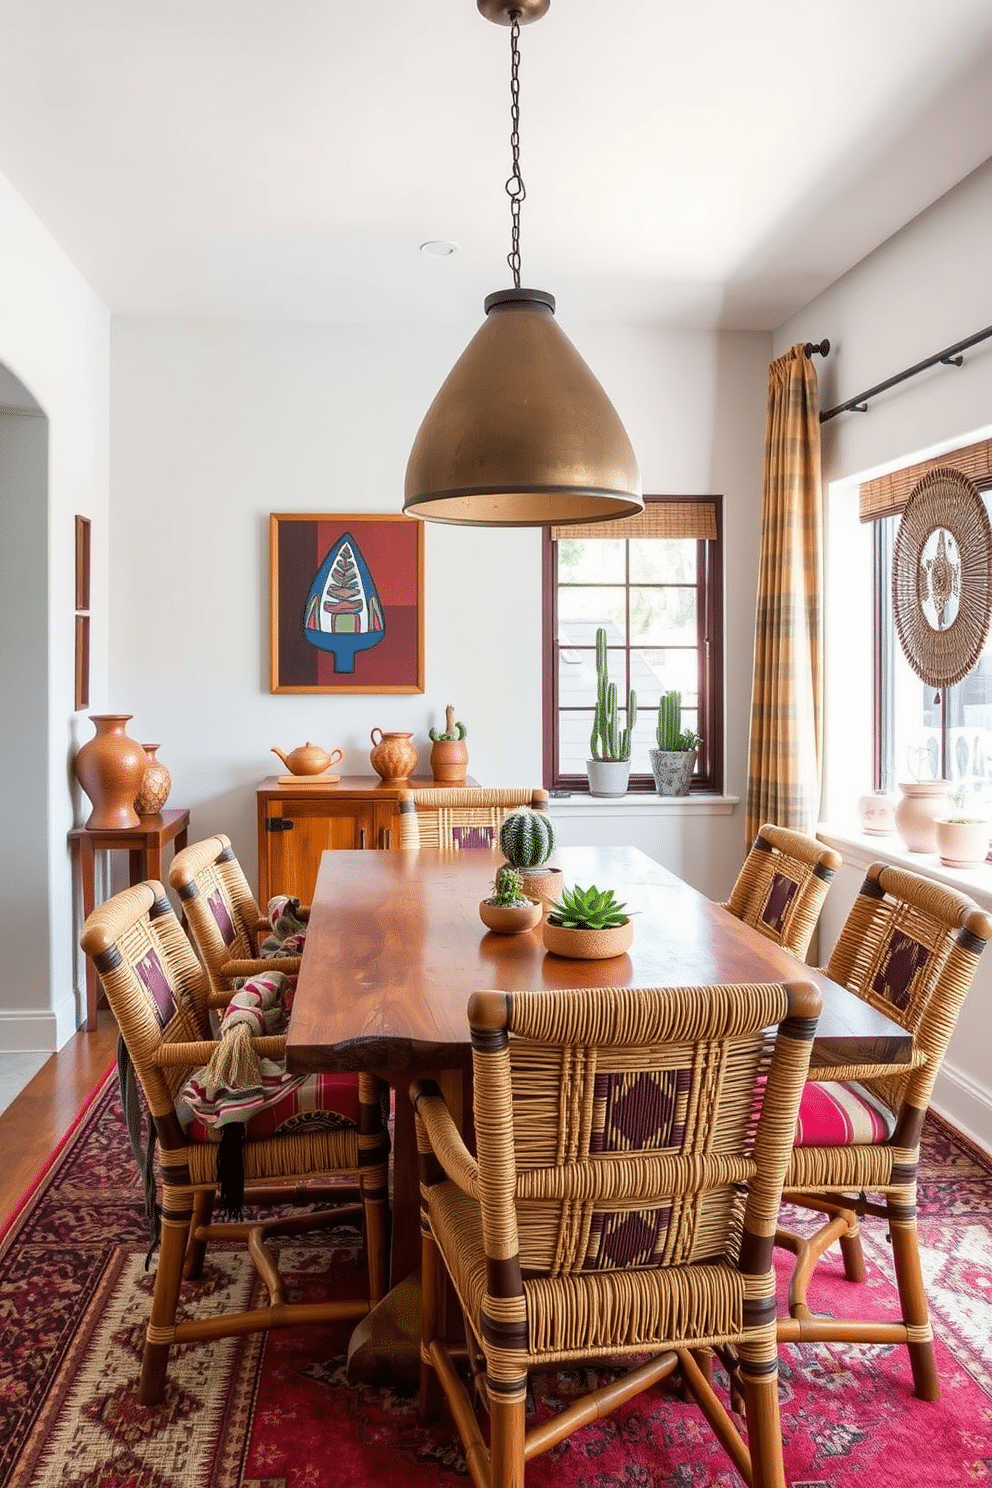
(33, 1124)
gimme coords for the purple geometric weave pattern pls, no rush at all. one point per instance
(639, 1111)
(221, 915)
(904, 958)
(780, 895)
(473, 836)
(155, 982)
(628, 1239)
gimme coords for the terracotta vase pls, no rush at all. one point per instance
(588, 945)
(922, 802)
(394, 757)
(110, 767)
(156, 784)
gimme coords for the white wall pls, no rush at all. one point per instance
(214, 426)
(54, 339)
(923, 290)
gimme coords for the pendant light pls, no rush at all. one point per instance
(520, 434)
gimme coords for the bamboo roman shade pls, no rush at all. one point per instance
(693, 519)
(886, 495)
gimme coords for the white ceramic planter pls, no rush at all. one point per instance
(922, 802)
(608, 777)
(962, 844)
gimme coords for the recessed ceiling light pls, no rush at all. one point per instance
(439, 247)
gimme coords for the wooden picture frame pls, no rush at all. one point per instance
(82, 563)
(346, 602)
(82, 687)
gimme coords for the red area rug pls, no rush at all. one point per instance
(278, 1412)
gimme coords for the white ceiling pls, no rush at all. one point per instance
(688, 162)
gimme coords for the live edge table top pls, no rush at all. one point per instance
(395, 947)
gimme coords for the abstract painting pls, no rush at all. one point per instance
(347, 603)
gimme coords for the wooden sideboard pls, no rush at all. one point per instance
(296, 823)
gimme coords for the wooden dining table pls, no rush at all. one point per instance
(395, 948)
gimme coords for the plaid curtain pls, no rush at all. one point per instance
(783, 784)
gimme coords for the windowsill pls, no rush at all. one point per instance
(859, 849)
(642, 803)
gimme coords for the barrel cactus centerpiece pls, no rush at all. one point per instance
(527, 840)
(674, 760)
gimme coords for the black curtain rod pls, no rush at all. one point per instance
(950, 357)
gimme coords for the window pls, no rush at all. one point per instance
(654, 582)
(919, 733)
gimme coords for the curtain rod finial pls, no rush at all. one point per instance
(817, 348)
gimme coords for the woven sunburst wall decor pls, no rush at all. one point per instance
(941, 590)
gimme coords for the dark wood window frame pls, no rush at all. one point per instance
(708, 778)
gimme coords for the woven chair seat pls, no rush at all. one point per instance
(840, 1113)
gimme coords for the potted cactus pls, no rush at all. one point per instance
(449, 752)
(588, 925)
(673, 762)
(527, 840)
(508, 910)
(609, 745)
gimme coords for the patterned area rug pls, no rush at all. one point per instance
(278, 1412)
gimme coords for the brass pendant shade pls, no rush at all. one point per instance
(521, 434)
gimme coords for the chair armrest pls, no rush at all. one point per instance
(444, 1137)
(171, 1056)
(288, 964)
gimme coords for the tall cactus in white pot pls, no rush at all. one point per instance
(609, 746)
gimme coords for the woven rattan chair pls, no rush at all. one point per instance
(781, 888)
(461, 818)
(909, 947)
(159, 995)
(623, 1202)
(224, 919)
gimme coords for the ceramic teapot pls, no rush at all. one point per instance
(309, 759)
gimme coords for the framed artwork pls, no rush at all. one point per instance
(346, 603)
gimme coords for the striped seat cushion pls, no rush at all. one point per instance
(328, 1100)
(840, 1114)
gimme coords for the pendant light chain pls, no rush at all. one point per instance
(515, 189)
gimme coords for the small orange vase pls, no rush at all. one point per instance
(110, 767)
(394, 757)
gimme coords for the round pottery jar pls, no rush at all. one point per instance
(110, 767)
(588, 945)
(510, 919)
(393, 757)
(877, 814)
(449, 761)
(922, 802)
(156, 784)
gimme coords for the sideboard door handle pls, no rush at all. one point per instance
(279, 824)
(361, 836)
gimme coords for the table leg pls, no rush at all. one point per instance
(85, 856)
(385, 1345)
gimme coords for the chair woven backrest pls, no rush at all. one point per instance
(461, 818)
(156, 988)
(620, 1127)
(218, 904)
(781, 887)
(910, 947)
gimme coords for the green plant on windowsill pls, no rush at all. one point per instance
(670, 734)
(608, 740)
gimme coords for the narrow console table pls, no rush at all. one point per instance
(144, 845)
